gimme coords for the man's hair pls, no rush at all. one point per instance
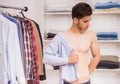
(81, 10)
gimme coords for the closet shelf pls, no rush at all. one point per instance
(109, 41)
(106, 12)
(68, 13)
(101, 41)
(111, 70)
(46, 41)
(57, 13)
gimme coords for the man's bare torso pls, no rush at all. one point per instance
(81, 44)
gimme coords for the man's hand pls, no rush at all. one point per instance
(73, 58)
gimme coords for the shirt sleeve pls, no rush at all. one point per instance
(51, 55)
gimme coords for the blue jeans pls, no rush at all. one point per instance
(81, 83)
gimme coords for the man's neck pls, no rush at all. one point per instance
(75, 30)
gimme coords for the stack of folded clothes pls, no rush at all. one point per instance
(107, 6)
(51, 34)
(109, 62)
(107, 35)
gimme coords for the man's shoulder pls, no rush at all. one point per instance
(91, 32)
(65, 33)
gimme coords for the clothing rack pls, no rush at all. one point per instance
(17, 8)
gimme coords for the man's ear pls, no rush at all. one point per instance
(75, 20)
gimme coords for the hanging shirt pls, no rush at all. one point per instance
(4, 69)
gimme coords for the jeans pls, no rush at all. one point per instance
(81, 83)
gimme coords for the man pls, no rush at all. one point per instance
(70, 49)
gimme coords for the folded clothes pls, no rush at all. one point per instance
(99, 38)
(50, 35)
(108, 65)
(107, 35)
(112, 58)
(107, 5)
(108, 10)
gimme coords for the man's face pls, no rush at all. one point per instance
(83, 23)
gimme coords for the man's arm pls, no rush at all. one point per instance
(95, 53)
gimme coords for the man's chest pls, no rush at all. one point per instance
(81, 43)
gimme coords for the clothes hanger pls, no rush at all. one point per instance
(25, 9)
(22, 14)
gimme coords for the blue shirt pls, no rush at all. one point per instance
(57, 55)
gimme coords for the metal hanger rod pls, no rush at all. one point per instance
(17, 8)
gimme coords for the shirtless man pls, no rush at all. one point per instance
(70, 49)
